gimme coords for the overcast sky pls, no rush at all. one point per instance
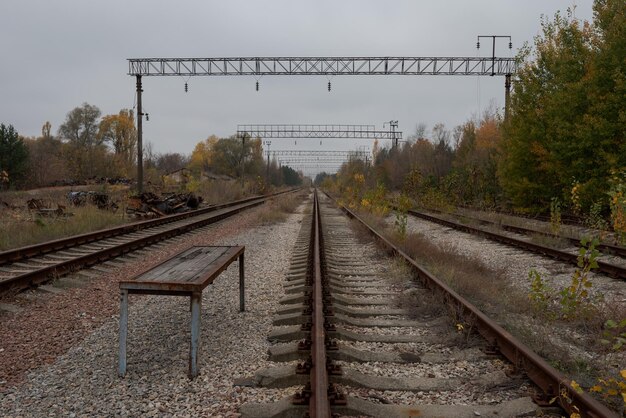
(58, 54)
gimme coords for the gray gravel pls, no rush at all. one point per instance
(83, 382)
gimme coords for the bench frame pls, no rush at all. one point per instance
(193, 290)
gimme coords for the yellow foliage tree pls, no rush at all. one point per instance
(202, 156)
(120, 131)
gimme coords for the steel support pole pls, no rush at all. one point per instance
(196, 312)
(507, 96)
(139, 137)
(243, 148)
(242, 286)
(123, 332)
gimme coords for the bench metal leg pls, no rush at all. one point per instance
(123, 331)
(196, 308)
(242, 302)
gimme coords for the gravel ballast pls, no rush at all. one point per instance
(84, 381)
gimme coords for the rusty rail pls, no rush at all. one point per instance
(603, 247)
(553, 384)
(43, 274)
(319, 404)
(23, 253)
(319, 394)
(610, 269)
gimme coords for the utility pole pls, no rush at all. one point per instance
(268, 143)
(243, 156)
(139, 138)
(393, 124)
(507, 79)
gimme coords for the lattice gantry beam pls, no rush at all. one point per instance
(320, 153)
(257, 66)
(317, 131)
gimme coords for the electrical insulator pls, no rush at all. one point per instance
(257, 86)
(477, 45)
(186, 88)
(329, 86)
(147, 117)
(510, 45)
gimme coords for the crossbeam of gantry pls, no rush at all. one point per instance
(258, 66)
(316, 131)
(315, 154)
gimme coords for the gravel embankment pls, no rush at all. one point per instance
(77, 332)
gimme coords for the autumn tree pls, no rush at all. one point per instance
(13, 156)
(232, 154)
(202, 156)
(46, 158)
(85, 151)
(119, 131)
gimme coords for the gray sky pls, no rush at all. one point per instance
(58, 54)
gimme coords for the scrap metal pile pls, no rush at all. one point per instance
(43, 207)
(101, 200)
(149, 205)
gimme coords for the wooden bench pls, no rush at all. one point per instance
(185, 274)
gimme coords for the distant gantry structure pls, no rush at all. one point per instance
(269, 131)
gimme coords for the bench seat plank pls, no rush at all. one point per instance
(189, 271)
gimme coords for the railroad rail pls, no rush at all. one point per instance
(329, 294)
(25, 267)
(610, 269)
(604, 247)
(554, 384)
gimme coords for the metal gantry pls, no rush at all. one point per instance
(329, 66)
(258, 66)
(317, 131)
(345, 154)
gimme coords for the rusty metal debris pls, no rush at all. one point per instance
(44, 208)
(99, 199)
(149, 205)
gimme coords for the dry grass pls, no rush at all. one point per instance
(467, 276)
(20, 226)
(278, 208)
(30, 229)
(219, 191)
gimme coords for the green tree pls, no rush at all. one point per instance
(13, 155)
(231, 154)
(541, 151)
(568, 121)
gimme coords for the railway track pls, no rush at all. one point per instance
(610, 269)
(605, 248)
(26, 267)
(356, 342)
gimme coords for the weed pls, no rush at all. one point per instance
(614, 334)
(402, 208)
(575, 298)
(555, 216)
(617, 202)
(612, 390)
(540, 294)
(595, 219)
